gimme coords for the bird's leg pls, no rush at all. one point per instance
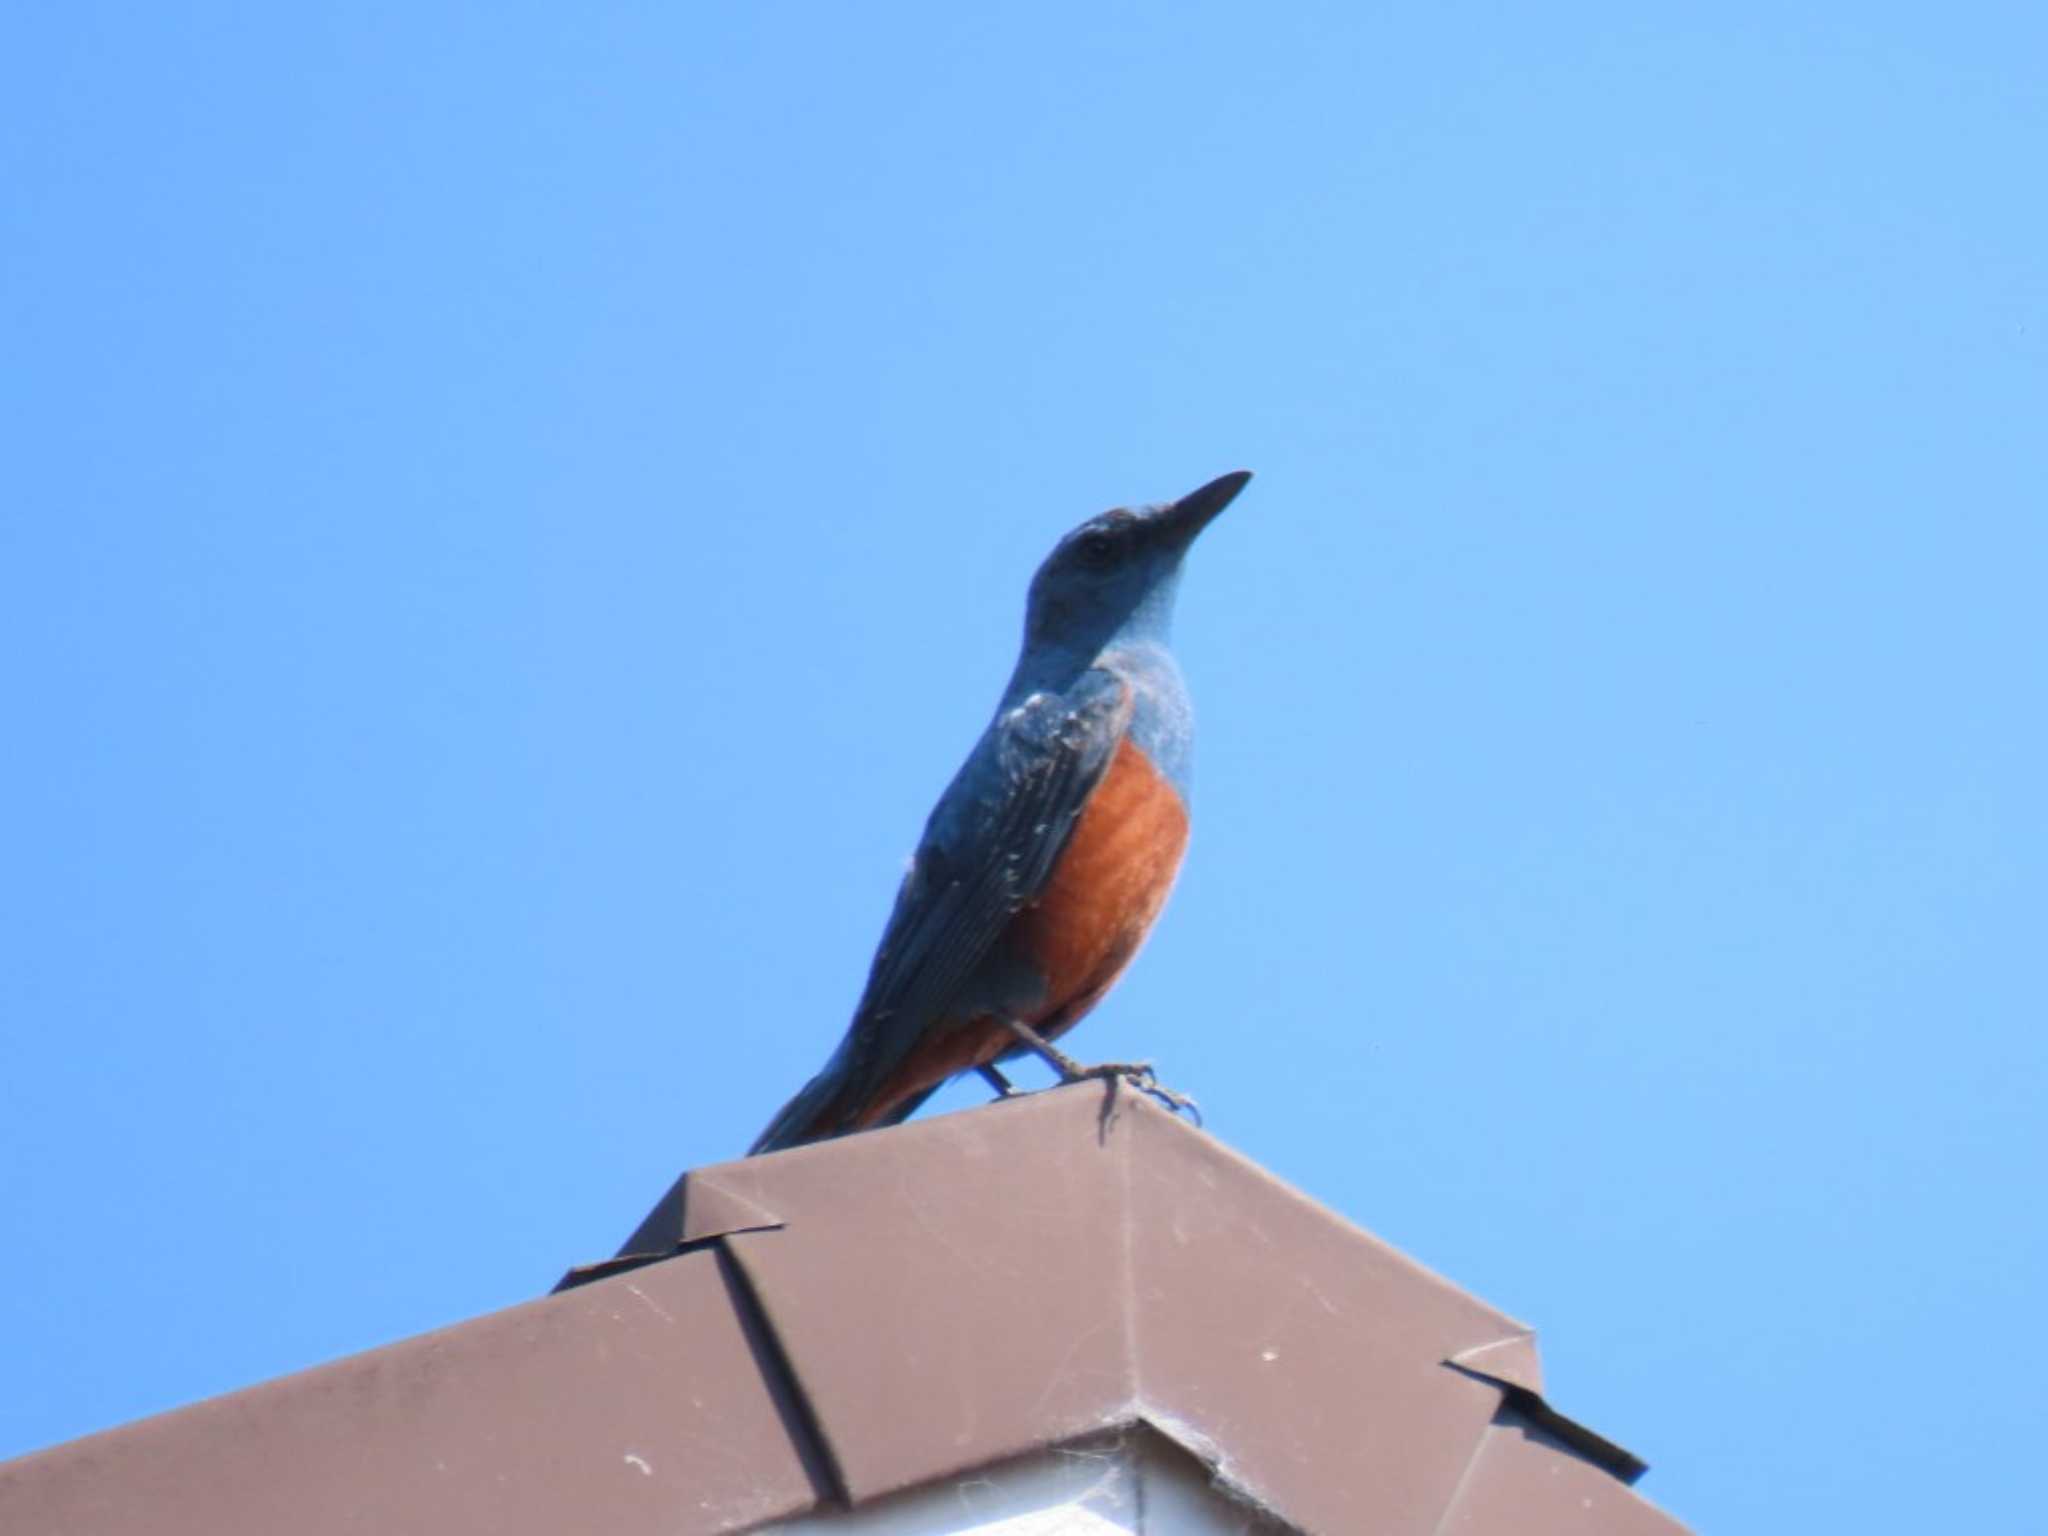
(1139, 1073)
(1004, 1088)
(1069, 1069)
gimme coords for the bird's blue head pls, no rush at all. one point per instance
(1112, 580)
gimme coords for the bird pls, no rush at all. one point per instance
(1049, 856)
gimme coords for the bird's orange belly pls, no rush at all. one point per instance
(1111, 880)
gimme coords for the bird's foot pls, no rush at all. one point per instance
(1138, 1074)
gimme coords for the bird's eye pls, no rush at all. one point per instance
(1096, 549)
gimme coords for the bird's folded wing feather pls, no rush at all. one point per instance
(987, 853)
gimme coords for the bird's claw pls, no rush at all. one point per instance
(1139, 1075)
(1175, 1101)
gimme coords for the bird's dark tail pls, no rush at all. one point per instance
(807, 1117)
(816, 1114)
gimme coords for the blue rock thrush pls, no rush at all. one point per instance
(1053, 849)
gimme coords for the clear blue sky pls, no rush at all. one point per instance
(512, 513)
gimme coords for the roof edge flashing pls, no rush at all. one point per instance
(1518, 1401)
(1512, 1361)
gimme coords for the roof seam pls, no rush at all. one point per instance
(1133, 1387)
(800, 1415)
(1464, 1477)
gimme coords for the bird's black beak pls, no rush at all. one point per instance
(1196, 510)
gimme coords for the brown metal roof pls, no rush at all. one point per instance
(842, 1321)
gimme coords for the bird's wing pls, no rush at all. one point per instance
(987, 852)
